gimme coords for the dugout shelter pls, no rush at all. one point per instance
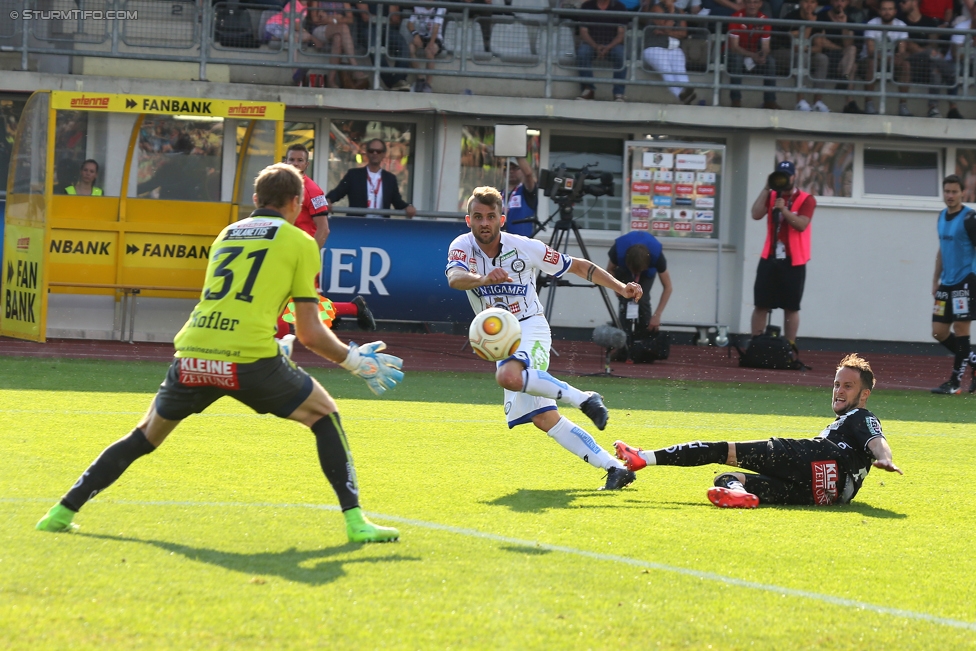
(172, 172)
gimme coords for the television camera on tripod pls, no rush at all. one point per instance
(566, 190)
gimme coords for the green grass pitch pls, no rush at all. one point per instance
(228, 536)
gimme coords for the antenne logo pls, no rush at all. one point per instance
(90, 102)
(240, 109)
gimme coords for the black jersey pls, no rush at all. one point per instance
(851, 433)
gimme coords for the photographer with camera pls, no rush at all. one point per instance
(782, 268)
(638, 257)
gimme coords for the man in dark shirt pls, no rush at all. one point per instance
(835, 55)
(602, 38)
(828, 469)
(926, 56)
(785, 41)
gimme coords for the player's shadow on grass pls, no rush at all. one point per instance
(311, 567)
(525, 500)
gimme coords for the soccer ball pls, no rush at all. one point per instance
(494, 334)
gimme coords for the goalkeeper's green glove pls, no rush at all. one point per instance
(381, 371)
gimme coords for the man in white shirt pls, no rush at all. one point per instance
(868, 66)
(499, 269)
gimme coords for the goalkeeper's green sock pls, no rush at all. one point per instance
(59, 518)
(361, 530)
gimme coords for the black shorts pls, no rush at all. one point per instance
(274, 385)
(954, 302)
(795, 471)
(779, 284)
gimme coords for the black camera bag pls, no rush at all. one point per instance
(772, 351)
(650, 349)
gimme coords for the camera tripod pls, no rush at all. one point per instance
(559, 241)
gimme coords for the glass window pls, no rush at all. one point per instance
(902, 173)
(478, 164)
(179, 159)
(10, 111)
(82, 164)
(347, 148)
(966, 170)
(600, 155)
(30, 157)
(824, 169)
(300, 133)
(260, 154)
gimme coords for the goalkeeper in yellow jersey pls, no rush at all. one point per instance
(226, 348)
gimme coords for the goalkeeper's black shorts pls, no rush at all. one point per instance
(274, 385)
(796, 471)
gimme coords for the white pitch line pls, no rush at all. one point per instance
(611, 558)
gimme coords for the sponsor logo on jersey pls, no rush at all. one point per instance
(824, 475)
(503, 289)
(506, 256)
(518, 266)
(208, 372)
(320, 202)
(551, 256)
(456, 254)
(514, 308)
(252, 231)
(939, 308)
(515, 201)
(874, 425)
(960, 302)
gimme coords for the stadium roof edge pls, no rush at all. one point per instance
(509, 108)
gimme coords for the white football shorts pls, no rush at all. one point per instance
(533, 351)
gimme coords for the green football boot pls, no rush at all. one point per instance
(361, 530)
(58, 519)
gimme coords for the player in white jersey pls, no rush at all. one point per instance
(498, 270)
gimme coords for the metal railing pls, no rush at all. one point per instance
(525, 44)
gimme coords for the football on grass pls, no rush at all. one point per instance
(494, 334)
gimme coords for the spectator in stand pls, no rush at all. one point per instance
(602, 40)
(721, 7)
(426, 26)
(957, 52)
(329, 24)
(782, 45)
(371, 186)
(927, 57)
(868, 65)
(662, 49)
(396, 47)
(941, 10)
(291, 15)
(835, 56)
(749, 52)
